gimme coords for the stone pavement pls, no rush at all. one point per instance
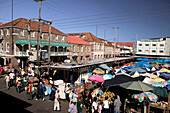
(15, 102)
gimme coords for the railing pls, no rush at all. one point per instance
(59, 53)
(20, 53)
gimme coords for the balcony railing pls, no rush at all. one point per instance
(21, 53)
(59, 53)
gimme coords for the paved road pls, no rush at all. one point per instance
(15, 102)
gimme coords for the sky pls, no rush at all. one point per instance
(135, 19)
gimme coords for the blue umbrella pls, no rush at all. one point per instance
(137, 69)
(165, 74)
(143, 65)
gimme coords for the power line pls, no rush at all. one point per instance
(89, 16)
(116, 20)
(108, 18)
(111, 23)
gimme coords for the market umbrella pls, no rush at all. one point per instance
(158, 79)
(117, 80)
(160, 91)
(165, 70)
(107, 76)
(148, 80)
(137, 85)
(145, 96)
(134, 76)
(147, 69)
(157, 84)
(165, 75)
(135, 73)
(137, 69)
(104, 66)
(143, 64)
(98, 71)
(96, 78)
(154, 69)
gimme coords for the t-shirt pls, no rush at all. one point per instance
(80, 105)
(72, 108)
(94, 105)
(117, 104)
(11, 75)
(100, 108)
(106, 104)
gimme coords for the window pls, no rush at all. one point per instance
(77, 48)
(146, 50)
(89, 49)
(2, 32)
(63, 38)
(81, 48)
(85, 49)
(73, 48)
(140, 44)
(161, 51)
(32, 34)
(7, 32)
(22, 32)
(7, 46)
(42, 36)
(153, 51)
(56, 37)
(153, 44)
(139, 50)
(2, 46)
(161, 44)
(146, 44)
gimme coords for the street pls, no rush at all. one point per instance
(15, 102)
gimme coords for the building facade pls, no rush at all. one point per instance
(97, 46)
(80, 50)
(154, 47)
(15, 39)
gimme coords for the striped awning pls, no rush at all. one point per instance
(45, 43)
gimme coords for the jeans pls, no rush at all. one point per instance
(7, 85)
(116, 111)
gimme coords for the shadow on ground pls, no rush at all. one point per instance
(10, 103)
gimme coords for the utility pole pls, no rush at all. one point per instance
(29, 39)
(12, 29)
(115, 41)
(49, 39)
(39, 31)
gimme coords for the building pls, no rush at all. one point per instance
(80, 50)
(16, 44)
(154, 47)
(97, 46)
(126, 48)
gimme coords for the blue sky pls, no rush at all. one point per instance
(136, 19)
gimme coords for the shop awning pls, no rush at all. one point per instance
(45, 43)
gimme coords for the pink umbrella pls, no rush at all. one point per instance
(96, 78)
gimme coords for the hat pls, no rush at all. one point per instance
(29, 81)
(74, 100)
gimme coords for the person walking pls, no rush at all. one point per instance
(117, 104)
(94, 105)
(7, 80)
(29, 90)
(80, 104)
(11, 76)
(43, 91)
(57, 101)
(73, 107)
(106, 105)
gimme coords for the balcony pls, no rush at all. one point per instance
(22, 53)
(60, 54)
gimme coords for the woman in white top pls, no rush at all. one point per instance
(106, 105)
(94, 105)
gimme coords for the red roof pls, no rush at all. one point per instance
(125, 44)
(76, 40)
(23, 23)
(1, 23)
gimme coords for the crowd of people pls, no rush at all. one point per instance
(35, 87)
